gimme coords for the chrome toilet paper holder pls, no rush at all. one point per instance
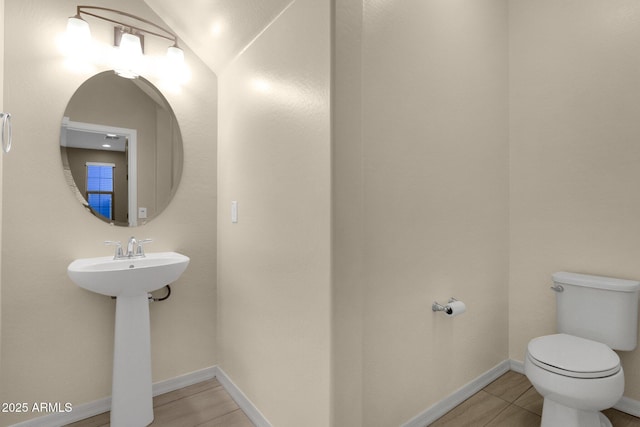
(446, 308)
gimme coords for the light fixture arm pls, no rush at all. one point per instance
(165, 34)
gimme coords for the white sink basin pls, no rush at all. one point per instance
(130, 276)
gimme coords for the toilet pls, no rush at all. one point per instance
(576, 370)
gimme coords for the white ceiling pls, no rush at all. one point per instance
(218, 30)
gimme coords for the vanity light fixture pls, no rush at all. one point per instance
(129, 35)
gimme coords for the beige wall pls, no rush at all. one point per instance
(575, 150)
(347, 203)
(274, 267)
(1, 156)
(435, 199)
(57, 338)
(419, 202)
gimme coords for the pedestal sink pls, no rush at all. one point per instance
(130, 280)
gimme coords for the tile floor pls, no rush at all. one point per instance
(511, 401)
(206, 404)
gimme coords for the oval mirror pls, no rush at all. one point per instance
(121, 149)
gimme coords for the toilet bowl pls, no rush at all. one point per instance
(577, 378)
(576, 370)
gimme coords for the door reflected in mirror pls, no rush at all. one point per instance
(121, 149)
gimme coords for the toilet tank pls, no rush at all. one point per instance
(602, 309)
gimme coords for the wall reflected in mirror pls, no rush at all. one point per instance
(121, 149)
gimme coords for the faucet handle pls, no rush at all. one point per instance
(141, 243)
(118, 247)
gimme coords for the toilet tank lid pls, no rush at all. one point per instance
(600, 282)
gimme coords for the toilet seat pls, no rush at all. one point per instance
(573, 356)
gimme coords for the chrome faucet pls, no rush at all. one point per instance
(135, 248)
(131, 247)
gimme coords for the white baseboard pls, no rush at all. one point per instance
(630, 406)
(251, 411)
(516, 366)
(90, 409)
(162, 387)
(439, 409)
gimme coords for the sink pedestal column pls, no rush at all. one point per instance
(131, 395)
